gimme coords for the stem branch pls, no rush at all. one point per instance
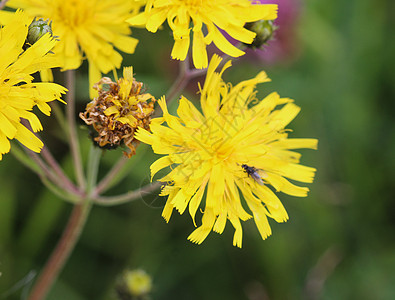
(73, 136)
(180, 82)
(3, 3)
(62, 251)
(107, 180)
(128, 197)
(67, 184)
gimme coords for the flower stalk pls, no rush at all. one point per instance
(3, 3)
(127, 197)
(106, 182)
(62, 251)
(73, 136)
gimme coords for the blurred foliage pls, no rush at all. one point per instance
(339, 242)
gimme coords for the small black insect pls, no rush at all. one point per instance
(253, 172)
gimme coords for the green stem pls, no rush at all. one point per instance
(93, 168)
(62, 251)
(67, 184)
(184, 76)
(180, 82)
(47, 172)
(3, 3)
(73, 136)
(60, 117)
(118, 171)
(62, 194)
(128, 197)
(51, 167)
(105, 183)
(26, 160)
(48, 178)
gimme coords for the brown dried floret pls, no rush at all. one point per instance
(118, 111)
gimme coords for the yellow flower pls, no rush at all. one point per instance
(119, 109)
(87, 27)
(138, 282)
(228, 15)
(18, 94)
(237, 145)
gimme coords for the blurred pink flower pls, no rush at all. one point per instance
(284, 45)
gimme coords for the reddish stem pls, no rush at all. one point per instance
(61, 253)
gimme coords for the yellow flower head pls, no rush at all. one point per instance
(236, 146)
(138, 282)
(86, 27)
(18, 94)
(228, 15)
(119, 109)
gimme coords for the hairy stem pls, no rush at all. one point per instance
(184, 76)
(180, 82)
(106, 181)
(128, 197)
(93, 168)
(51, 168)
(3, 3)
(62, 251)
(67, 184)
(60, 117)
(73, 136)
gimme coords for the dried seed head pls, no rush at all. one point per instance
(118, 111)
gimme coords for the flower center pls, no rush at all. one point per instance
(74, 13)
(195, 2)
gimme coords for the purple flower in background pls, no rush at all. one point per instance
(284, 45)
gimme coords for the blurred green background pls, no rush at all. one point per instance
(339, 242)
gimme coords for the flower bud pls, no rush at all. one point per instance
(264, 32)
(138, 282)
(37, 29)
(134, 284)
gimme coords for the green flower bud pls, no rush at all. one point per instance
(134, 284)
(138, 282)
(37, 29)
(264, 32)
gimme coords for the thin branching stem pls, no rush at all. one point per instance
(50, 169)
(180, 82)
(93, 168)
(60, 117)
(52, 166)
(3, 3)
(128, 197)
(62, 251)
(73, 136)
(35, 164)
(107, 180)
(67, 184)
(62, 194)
(184, 76)
(26, 160)
(43, 166)
(48, 176)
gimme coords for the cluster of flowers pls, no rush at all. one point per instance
(220, 159)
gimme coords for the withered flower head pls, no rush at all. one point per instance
(118, 111)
